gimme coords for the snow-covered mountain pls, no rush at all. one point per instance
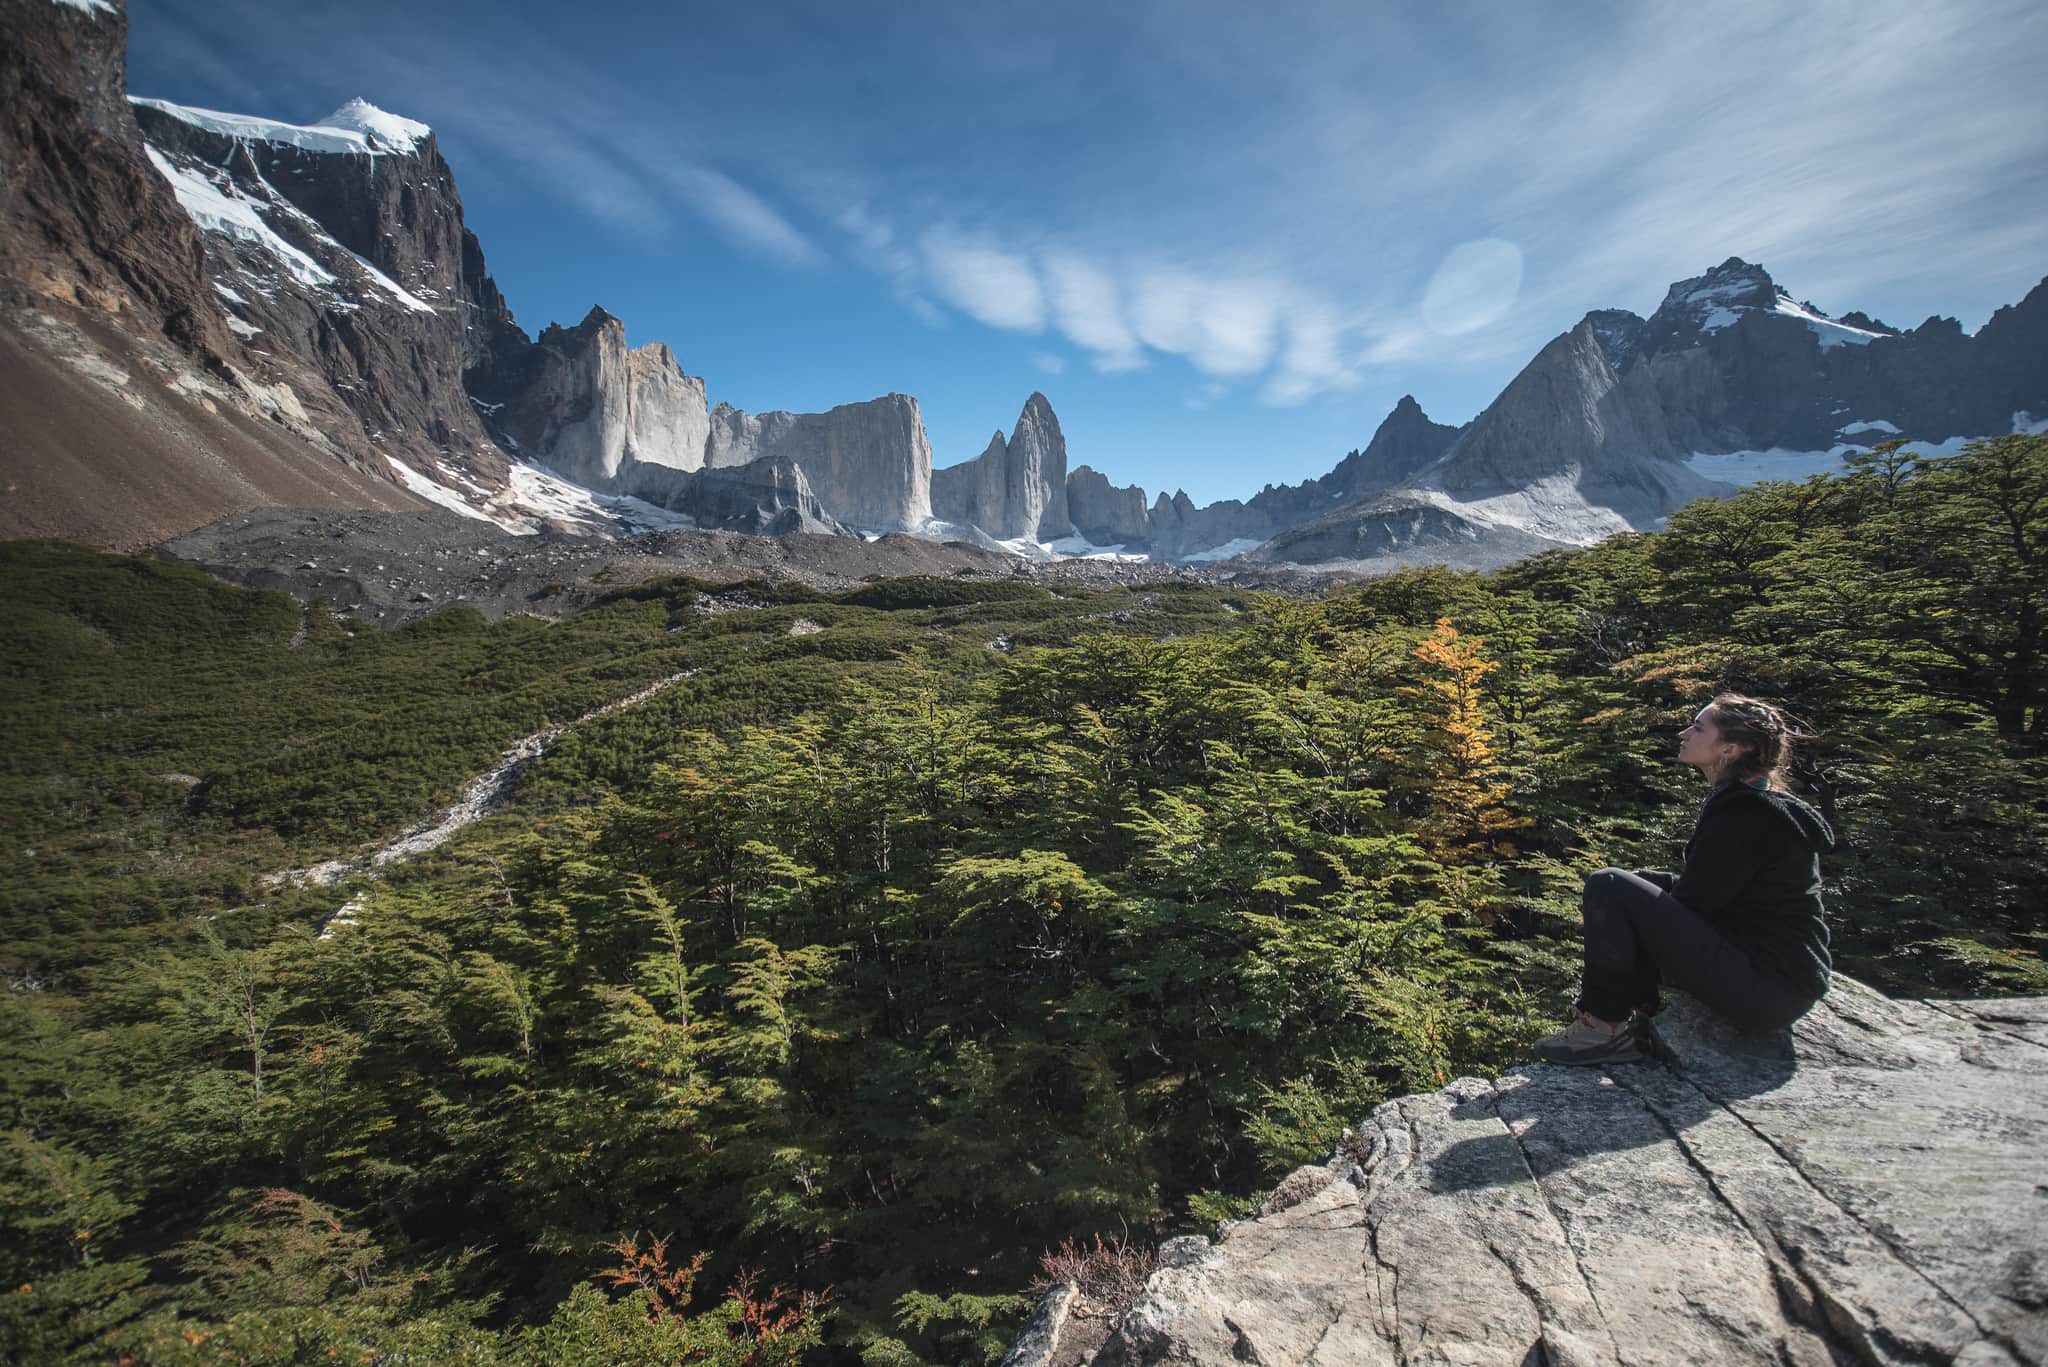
(317, 326)
(1623, 419)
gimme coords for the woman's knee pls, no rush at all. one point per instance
(1601, 884)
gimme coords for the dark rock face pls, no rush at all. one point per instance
(1767, 371)
(1790, 1198)
(1696, 308)
(354, 262)
(1620, 334)
(132, 411)
(2013, 351)
(83, 218)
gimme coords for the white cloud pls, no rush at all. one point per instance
(1312, 360)
(1088, 308)
(1224, 326)
(1049, 363)
(742, 216)
(995, 286)
(1476, 285)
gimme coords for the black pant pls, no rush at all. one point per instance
(1639, 936)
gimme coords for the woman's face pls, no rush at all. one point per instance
(1700, 744)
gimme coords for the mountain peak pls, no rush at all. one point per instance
(383, 131)
(1618, 331)
(358, 128)
(1732, 284)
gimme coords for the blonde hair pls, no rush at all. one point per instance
(1766, 734)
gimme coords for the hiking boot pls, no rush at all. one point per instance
(1589, 1040)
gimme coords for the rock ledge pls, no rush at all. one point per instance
(1869, 1187)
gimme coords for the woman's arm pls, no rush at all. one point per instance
(1666, 881)
(1728, 848)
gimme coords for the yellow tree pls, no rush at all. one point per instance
(1465, 816)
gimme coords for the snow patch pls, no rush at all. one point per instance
(357, 128)
(1937, 450)
(225, 210)
(1751, 467)
(1066, 548)
(1830, 332)
(1748, 467)
(240, 327)
(1081, 548)
(380, 129)
(88, 6)
(435, 492)
(1718, 319)
(1868, 425)
(1233, 547)
(2026, 424)
(390, 286)
(535, 493)
(1551, 507)
(1726, 289)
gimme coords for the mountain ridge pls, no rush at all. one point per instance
(320, 278)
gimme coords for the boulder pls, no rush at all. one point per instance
(1867, 1187)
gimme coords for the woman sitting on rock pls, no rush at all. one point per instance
(1741, 929)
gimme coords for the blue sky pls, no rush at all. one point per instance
(1223, 239)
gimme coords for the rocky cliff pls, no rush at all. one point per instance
(207, 312)
(1614, 424)
(319, 279)
(870, 463)
(1016, 488)
(131, 409)
(1866, 1188)
(589, 406)
(1103, 513)
(341, 245)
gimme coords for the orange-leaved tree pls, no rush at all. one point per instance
(1465, 815)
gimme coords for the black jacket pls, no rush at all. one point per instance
(1752, 868)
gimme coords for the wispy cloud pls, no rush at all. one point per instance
(1312, 360)
(990, 284)
(743, 217)
(1088, 308)
(614, 156)
(1224, 326)
(1277, 198)
(1048, 362)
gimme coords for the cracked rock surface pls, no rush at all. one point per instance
(1869, 1187)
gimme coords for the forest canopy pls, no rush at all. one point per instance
(797, 1012)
